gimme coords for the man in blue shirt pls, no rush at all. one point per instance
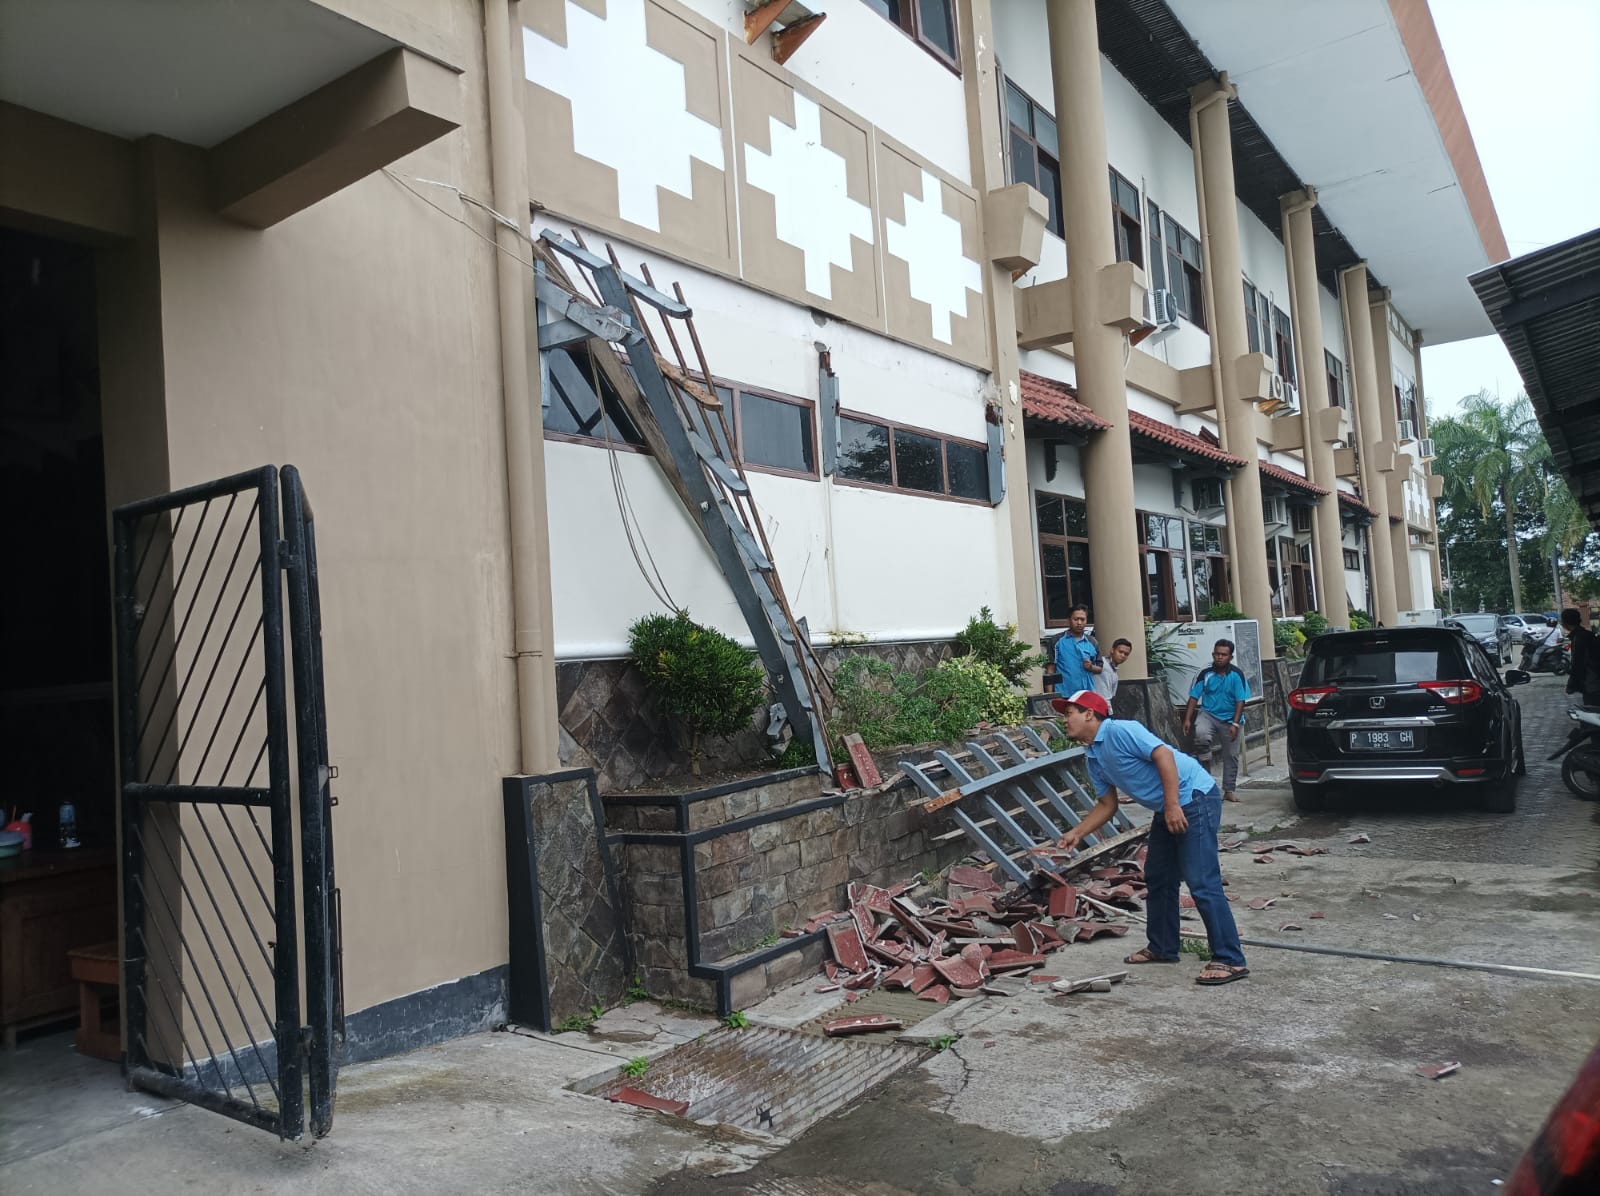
(1077, 655)
(1124, 755)
(1220, 691)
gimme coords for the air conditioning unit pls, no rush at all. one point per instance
(1408, 431)
(1208, 498)
(1161, 310)
(1278, 385)
(1291, 401)
(1425, 448)
(1275, 511)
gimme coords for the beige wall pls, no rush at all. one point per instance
(358, 342)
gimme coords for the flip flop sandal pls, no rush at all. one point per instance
(1145, 955)
(1219, 977)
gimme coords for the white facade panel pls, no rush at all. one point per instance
(870, 66)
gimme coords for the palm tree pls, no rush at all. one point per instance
(1500, 445)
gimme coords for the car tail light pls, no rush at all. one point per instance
(1471, 772)
(1307, 700)
(1454, 693)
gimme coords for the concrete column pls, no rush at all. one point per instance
(984, 133)
(1219, 235)
(1327, 543)
(1375, 437)
(1098, 348)
(1427, 468)
(1399, 533)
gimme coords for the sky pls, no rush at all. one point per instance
(1527, 75)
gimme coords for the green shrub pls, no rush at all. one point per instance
(1360, 620)
(1002, 703)
(985, 640)
(698, 676)
(1288, 637)
(1314, 623)
(1221, 611)
(887, 708)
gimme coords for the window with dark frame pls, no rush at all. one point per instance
(1300, 516)
(1163, 541)
(1063, 555)
(1352, 560)
(1035, 151)
(1336, 394)
(1208, 564)
(875, 453)
(1283, 344)
(772, 432)
(930, 23)
(576, 416)
(1127, 229)
(1405, 404)
(1185, 270)
(1155, 265)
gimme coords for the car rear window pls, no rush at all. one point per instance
(1477, 624)
(1379, 663)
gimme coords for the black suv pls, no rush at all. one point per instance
(1404, 704)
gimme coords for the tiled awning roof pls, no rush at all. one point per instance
(1288, 477)
(1058, 402)
(1355, 504)
(1045, 398)
(1186, 443)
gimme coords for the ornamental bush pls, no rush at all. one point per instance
(1221, 611)
(699, 677)
(1002, 704)
(1313, 623)
(1360, 620)
(985, 640)
(887, 708)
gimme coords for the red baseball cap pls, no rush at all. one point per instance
(1084, 699)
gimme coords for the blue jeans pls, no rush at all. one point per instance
(1192, 858)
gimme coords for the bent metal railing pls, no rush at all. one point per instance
(1011, 806)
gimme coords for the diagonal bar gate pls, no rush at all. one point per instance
(1012, 805)
(214, 792)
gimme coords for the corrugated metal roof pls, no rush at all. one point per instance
(1546, 307)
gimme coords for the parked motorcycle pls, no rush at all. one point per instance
(1580, 771)
(1549, 653)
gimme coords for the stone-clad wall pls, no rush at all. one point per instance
(609, 724)
(754, 883)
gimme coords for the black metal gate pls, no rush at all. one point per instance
(211, 803)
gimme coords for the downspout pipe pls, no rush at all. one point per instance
(1209, 285)
(533, 646)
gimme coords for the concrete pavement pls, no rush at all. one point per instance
(1300, 1079)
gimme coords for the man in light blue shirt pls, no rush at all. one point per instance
(1124, 755)
(1077, 655)
(1220, 691)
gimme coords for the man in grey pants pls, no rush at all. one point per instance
(1220, 692)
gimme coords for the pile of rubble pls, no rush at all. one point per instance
(957, 945)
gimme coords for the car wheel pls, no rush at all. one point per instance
(1308, 799)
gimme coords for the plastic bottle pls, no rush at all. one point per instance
(68, 823)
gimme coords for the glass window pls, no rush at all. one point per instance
(1057, 588)
(1126, 226)
(1336, 395)
(776, 433)
(1182, 608)
(1155, 266)
(1051, 519)
(918, 462)
(1077, 519)
(969, 470)
(1035, 151)
(864, 452)
(575, 411)
(1078, 572)
(936, 21)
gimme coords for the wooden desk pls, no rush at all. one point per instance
(50, 902)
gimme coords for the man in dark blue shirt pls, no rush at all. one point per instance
(1125, 755)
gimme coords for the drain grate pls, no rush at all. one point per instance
(895, 1003)
(764, 1078)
